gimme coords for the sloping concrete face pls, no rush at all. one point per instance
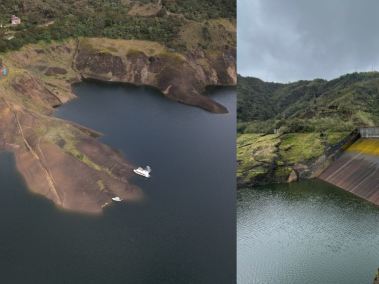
(357, 170)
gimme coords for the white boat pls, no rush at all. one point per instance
(116, 198)
(143, 172)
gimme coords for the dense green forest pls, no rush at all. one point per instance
(319, 105)
(111, 25)
(100, 18)
(203, 9)
(41, 10)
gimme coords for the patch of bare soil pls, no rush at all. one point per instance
(309, 114)
(50, 169)
(73, 80)
(35, 94)
(51, 71)
(3, 68)
(41, 68)
(47, 24)
(145, 10)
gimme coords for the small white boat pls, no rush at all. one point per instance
(116, 198)
(143, 172)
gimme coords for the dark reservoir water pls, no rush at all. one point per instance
(306, 232)
(183, 231)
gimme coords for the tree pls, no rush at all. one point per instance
(47, 36)
(108, 22)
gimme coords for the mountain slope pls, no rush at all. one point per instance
(353, 97)
(320, 117)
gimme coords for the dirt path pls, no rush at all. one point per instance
(45, 25)
(43, 159)
(73, 58)
(30, 148)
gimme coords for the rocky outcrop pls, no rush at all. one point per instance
(264, 159)
(181, 77)
(292, 177)
(376, 279)
(326, 159)
(35, 95)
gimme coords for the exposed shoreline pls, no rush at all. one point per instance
(62, 160)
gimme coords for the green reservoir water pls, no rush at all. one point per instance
(305, 232)
(183, 231)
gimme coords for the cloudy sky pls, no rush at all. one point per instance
(290, 40)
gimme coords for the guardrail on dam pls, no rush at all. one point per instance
(369, 132)
(357, 169)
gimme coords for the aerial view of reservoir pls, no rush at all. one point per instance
(182, 229)
(308, 231)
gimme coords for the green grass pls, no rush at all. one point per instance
(299, 147)
(171, 57)
(258, 153)
(253, 152)
(40, 129)
(334, 138)
(71, 135)
(246, 139)
(60, 130)
(134, 53)
(283, 172)
(101, 186)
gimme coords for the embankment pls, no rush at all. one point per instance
(274, 158)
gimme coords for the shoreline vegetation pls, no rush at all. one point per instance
(62, 160)
(285, 130)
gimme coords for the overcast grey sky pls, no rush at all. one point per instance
(291, 40)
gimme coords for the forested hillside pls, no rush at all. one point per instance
(179, 24)
(40, 10)
(308, 106)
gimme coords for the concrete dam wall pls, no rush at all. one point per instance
(369, 132)
(357, 169)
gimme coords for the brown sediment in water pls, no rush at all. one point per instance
(62, 160)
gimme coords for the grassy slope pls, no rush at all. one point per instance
(270, 158)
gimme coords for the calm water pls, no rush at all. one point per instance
(306, 232)
(182, 232)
